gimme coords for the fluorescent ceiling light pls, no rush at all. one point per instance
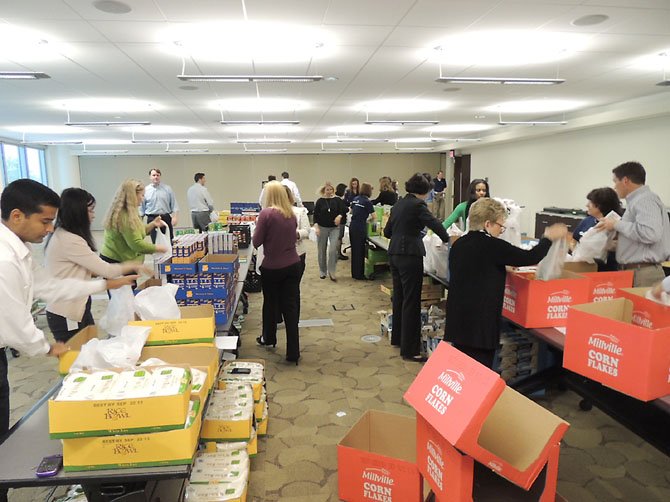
(459, 128)
(107, 123)
(363, 128)
(500, 80)
(535, 106)
(456, 140)
(55, 142)
(402, 105)
(105, 105)
(424, 139)
(505, 48)
(324, 149)
(413, 148)
(250, 78)
(403, 122)
(102, 152)
(266, 150)
(159, 129)
(533, 122)
(261, 141)
(362, 140)
(259, 105)
(23, 75)
(245, 41)
(158, 141)
(260, 122)
(262, 129)
(187, 150)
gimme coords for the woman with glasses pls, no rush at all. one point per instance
(477, 264)
(70, 252)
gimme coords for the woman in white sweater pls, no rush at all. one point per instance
(70, 252)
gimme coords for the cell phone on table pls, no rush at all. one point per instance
(240, 371)
(49, 466)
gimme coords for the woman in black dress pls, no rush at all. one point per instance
(477, 279)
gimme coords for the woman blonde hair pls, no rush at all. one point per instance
(123, 211)
(385, 184)
(322, 188)
(484, 210)
(275, 197)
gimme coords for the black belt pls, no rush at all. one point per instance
(632, 266)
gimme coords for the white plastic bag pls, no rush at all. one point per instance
(441, 257)
(122, 351)
(592, 246)
(428, 263)
(312, 235)
(214, 216)
(454, 231)
(158, 302)
(163, 239)
(551, 267)
(512, 232)
(346, 241)
(120, 310)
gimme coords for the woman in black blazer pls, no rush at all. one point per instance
(477, 278)
(409, 216)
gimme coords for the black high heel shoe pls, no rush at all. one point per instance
(263, 343)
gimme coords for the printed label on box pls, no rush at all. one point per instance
(604, 353)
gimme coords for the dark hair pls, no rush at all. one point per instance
(631, 170)
(73, 214)
(27, 196)
(606, 200)
(366, 189)
(155, 169)
(358, 185)
(340, 189)
(418, 184)
(272, 177)
(198, 177)
(472, 193)
(284, 175)
(429, 178)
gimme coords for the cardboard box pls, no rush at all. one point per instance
(175, 447)
(376, 460)
(69, 419)
(75, 343)
(604, 344)
(172, 267)
(219, 264)
(472, 408)
(580, 267)
(604, 285)
(541, 304)
(646, 313)
(203, 357)
(257, 386)
(196, 325)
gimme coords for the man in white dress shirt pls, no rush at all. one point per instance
(293, 187)
(200, 202)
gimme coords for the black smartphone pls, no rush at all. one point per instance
(240, 371)
(49, 466)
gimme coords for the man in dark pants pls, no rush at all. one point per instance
(409, 216)
(28, 210)
(159, 200)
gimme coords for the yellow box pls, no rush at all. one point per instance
(259, 407)
(257, 387)
(214, 492)
(75, 343)
(174, 447)
(196, 325)
(262, 427)
(201, 356)
(74, 419)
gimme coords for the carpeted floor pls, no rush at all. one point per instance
(340, 376)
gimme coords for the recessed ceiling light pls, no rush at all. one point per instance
(590, 20)
(112, 6)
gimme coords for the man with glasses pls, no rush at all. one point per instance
(477, 264)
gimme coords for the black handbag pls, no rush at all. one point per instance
(252, 283)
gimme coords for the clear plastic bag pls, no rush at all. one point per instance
(551, 267)
(158, 302)
(120, 310)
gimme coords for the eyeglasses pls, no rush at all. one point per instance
(502, 227)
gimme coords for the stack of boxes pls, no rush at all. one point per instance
(518, 355)
(220, 475)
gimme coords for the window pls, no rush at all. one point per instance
(21, 162)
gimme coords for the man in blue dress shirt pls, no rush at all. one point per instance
(159, 200)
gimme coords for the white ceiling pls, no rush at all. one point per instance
(378, 52)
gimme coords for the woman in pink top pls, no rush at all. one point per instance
(277, 231)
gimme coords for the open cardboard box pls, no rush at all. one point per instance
(471, 407)
(196, 325)
(646, 313)
(75, 343)
(604, 344)
(376, 460)
(454, 476)
(542, 304)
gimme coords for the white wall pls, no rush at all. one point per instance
(560, 169)
(238, 178)
(62, 168)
